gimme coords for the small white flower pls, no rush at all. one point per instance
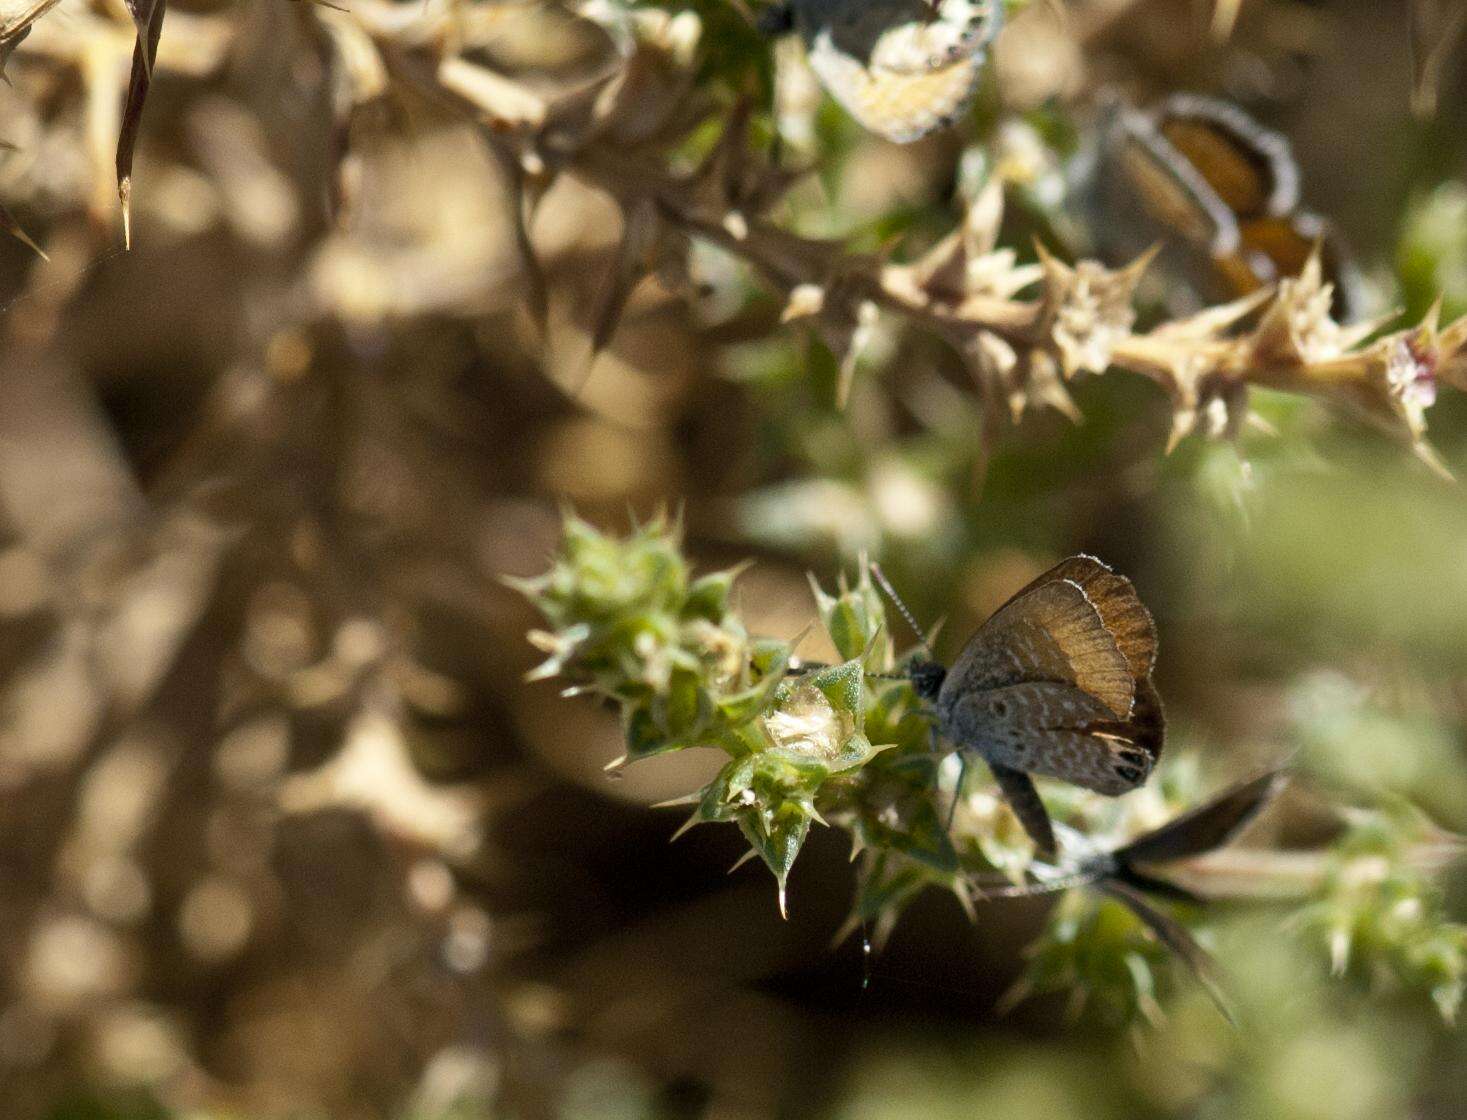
(1411, 380)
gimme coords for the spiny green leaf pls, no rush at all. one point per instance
(856, 751)
(770, 660)
(853, 620)
(777, 837)
(732, 784)
(683, 710)
(888, 886)
(643, 735)
(844, 686)
(708, 596)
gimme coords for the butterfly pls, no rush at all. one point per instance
(1129, 873)
(902, 68)
(1219, 191)
(1057, 683)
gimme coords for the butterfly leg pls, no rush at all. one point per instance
(1018, 790)
(962, 782)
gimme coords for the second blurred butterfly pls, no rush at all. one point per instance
(902, 68)
(1218, 191)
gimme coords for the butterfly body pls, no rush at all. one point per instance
(902, 68)
(1057, 683)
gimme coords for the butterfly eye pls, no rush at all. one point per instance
(778, 19)
(927, 678)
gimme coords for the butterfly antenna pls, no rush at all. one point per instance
(885, 585)
(1008, 889)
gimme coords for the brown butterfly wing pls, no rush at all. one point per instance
(1164, 192)
(1241, 180)
(1058, 683)
(1250, 168)
(1113, 596)
(1146, 728)
(1272, 248)
(1049, 632)
(1058, 731)
(1113, 756)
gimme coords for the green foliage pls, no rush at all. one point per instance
(115, 1106)
(1097, 951)
(1432, 256)
(629, 623)
(1381, 917)
(854, 619)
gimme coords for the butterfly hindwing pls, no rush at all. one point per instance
(1272, 248)
(1057, 731)
(1146, 727)
(900, 67)
(900, 106)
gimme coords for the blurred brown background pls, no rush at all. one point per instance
(283, 832)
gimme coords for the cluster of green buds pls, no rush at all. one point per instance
(1097, 952)
(1379, 912)
(806, 743)
(629, 623)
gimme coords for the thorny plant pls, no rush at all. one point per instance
(689, 163)
(100, 51)
(851, 746)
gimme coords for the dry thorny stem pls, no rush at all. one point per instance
(621, 129)
(617, 133)
(114, 53)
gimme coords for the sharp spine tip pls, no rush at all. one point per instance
(124, 192)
